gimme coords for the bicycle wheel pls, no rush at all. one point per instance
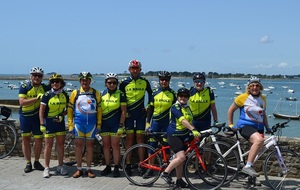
(8, 140)
(276, 175)
(135, 171)
(70, 150)
(214, 174)
(232, 158)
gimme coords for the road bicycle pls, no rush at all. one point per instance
(280, 164)
(8, 133)
(202, 164)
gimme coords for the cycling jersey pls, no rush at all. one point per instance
(200, 102)
(56, 104)
(134, 90)
(177, 114)
(252, 110)
(111, 101)
(27, 90)
(162, 100)
(86, 109)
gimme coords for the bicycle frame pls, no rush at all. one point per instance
(192, 146)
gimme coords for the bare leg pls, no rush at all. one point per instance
(47, 151)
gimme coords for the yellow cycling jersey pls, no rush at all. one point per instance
(56, 104)
(27, 90)
(200, 102)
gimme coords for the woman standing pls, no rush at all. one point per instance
(113, 104)
(53, 109)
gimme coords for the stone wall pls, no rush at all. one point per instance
(286, 143)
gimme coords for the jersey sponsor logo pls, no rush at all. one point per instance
(134, 89)
(199, 101)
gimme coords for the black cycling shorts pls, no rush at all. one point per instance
(247, 131)
(176, 143)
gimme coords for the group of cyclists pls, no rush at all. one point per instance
(121, 108)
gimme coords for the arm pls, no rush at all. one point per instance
(42, 113)
(230, 113)
(150, 113)
(187, 124)
(27, 101)
(123, 114)
(214, 112)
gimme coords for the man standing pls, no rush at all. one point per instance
(30, 95)
(84, 120)
(135, 88)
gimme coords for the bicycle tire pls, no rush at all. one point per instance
(272, 167)
(135, 171)
(8, 140)
(70, 148)
(232, 159)
(215, 174)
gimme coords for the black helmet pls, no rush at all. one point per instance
(164, 74)
(199, 76)
(183, 91)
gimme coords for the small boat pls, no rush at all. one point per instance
(291, 98)
(283, 116)
(290, 91)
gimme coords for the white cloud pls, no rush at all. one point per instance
(282, 65)
(265, 39)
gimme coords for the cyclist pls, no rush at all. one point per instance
(113, 104)
(135, 86)
(84, 120)
(178, 131)
(202, 103)
(160, 103)
(52, 113)
(30, 94)
(252, 120)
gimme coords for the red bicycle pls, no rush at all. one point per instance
(202, 164)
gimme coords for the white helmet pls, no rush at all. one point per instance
(253, 79)
(111, 75)
(37, 70)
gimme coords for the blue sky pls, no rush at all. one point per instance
(70, 36)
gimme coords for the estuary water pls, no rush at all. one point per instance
(225, 91)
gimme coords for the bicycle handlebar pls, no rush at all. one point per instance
(275, 127)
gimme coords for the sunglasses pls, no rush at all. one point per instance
(199, 81)
(112, 83)
(55, 81)
(183, 96)
(167, 80)
(134, 67)
(39, 76)
(254, 85)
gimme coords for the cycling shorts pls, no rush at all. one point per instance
(247, 131)
(86, 131)
(54, 128)
(30, 124)
(176, 143)
(140, 124)
(109, 127)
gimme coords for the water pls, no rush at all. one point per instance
(224, 96)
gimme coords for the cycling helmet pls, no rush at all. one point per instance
(183, 91)
(37, 70)
(164, 74)
(253, 79)
(199, 76)
(111, 75)
(85, 75)
(134, 63)
(56, 76)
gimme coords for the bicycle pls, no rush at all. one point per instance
(201, 163)
(284, 160)
(8, 133)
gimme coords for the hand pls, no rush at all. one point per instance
(233, 127)
(196, 133)
(39, 96)
(148, 128)
(215, 123)
(59, 118)
(71, 127)
(43, 128)
(268, 130)
(99, 127)
(120, 131)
